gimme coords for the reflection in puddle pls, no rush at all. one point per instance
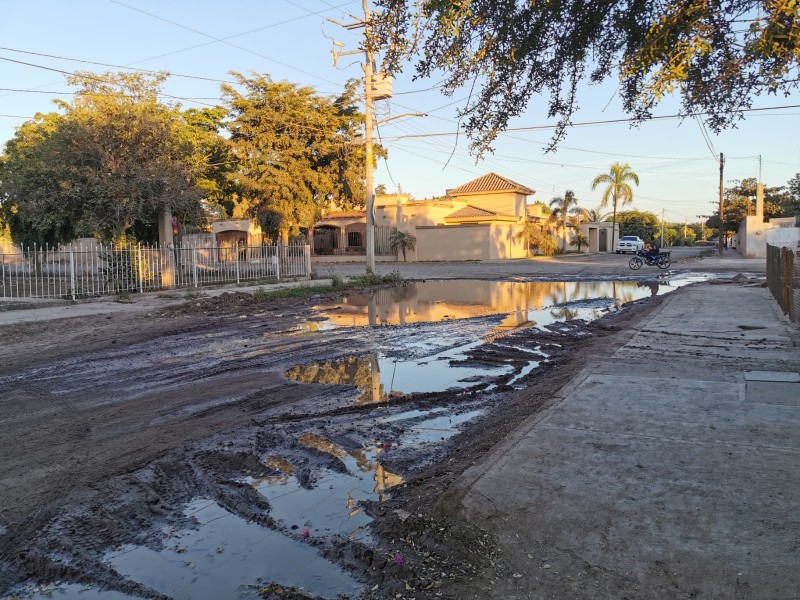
(527, 304)
(431, 374)
(331, 507)
(70, 591)
(225, 553)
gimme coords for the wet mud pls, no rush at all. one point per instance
(238, 448)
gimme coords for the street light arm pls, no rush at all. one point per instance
(382, 121)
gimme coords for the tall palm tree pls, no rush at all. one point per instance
(618, 190)
(562, 209)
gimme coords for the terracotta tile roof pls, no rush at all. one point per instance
(470, 212)
(491, 182)
(345, 214)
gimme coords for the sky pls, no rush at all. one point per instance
(200, 42)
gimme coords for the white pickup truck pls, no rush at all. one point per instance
(629, 243)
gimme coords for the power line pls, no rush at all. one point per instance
(609, 121)
(112, 66)
(225, 41)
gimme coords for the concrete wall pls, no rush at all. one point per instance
(457, 242)
(754, 235)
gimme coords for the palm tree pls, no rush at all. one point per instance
(595, 215)
(618, 190)
(562, 209)
(580, 240)
(400, 241)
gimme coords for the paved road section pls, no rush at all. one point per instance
(669, 469)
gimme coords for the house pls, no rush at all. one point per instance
(479, 220)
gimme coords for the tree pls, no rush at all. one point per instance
(107, 165)
(596, 215)
(739, 201)
(400, 241)
(580, 240)
(791, 204)
(514, 51)
(564, 210)
(295, 151)
(538, 238)
(644, 224)
(618, 189)
(380, 189)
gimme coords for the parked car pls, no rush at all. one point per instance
(629, 243)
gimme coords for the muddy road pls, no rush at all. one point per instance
(236, 447)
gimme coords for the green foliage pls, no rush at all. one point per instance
(713, 54)
(295, 151)
(113, 158)
(373, 279)
(400, 241)
(739, 201)
(538, 239)
(645, 224)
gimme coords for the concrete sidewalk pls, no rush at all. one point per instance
(670, 469)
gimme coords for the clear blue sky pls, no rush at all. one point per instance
(290, 40)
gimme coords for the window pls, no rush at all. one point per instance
(354, 238)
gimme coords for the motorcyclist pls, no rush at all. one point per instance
(652, 251)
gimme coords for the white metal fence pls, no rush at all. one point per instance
(81, 271)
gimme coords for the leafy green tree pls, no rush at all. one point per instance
(617, 189)
(380, 189)
(215, 179)
(295, 151)
(107, 165)
(636, 222)
(400, 241)
(514, 51)
(564, 211)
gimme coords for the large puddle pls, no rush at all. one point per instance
(515, 305)
(525, 304)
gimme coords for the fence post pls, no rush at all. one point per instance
(139, 268)
(307, 257)
(72, 278)
(788, 265)
(236, 258)
(194, 266)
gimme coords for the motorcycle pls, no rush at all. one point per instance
(661, 260)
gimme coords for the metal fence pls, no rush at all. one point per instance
(783, 279)
(80, 271)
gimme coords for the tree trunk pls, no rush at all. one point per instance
(614, 225)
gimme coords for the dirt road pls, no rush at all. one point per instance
(113, 428)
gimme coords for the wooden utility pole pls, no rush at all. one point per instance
(721, 211)
(663, 212)
(370, 199)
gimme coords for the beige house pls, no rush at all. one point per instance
(755, 233)
(479, 220)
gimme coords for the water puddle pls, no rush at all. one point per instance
(224, 555)
(378, 376)
(531, 303)
(332, 506)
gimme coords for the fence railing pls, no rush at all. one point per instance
(783, 279)
(85, 271)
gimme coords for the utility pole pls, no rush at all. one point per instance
(663, 211)
(369, 97)
(721, 211)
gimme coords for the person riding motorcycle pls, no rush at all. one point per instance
(651, 253)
